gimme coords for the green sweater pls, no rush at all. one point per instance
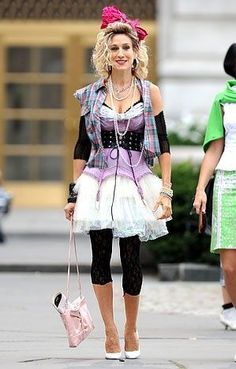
(215, 127)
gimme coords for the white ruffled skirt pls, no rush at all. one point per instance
(123, 210)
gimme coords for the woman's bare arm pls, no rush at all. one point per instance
(209, 163)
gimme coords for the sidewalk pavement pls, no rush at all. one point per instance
(32, 335)
(178, 324)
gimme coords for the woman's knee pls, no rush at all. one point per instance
(229, 269)
(132, 278)
(228, 260)
(130, 260)
(100, 274)
(132, 288)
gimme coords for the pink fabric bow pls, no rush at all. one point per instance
(111, 14)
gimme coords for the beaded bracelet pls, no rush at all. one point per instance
(165, 195)
(166, 191)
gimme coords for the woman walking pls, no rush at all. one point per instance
(114, 193)
(220, 152)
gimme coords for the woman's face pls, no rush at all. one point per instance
(121, 52)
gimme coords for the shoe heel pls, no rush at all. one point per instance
(225, 325)
(113, 355)
(132, 354)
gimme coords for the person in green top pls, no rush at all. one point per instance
(220, 154)
(228, 313)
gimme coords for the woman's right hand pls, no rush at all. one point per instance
(69, 210)
(200, 201)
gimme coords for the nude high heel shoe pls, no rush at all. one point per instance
(112, 355)
(133, 354)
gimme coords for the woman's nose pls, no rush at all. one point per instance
(120, 53)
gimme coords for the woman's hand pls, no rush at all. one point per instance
(165, 203)
(200, 201)
(69, 210)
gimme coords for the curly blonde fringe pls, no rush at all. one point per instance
(100, 57)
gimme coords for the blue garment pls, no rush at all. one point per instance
(5, 201)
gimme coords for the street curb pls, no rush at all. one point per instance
(166, 272)
(61, 268)
(188, 272)
(49, 268)
(37, 235)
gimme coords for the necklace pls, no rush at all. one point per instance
(124, 97)
(119, 135)
(119, 91)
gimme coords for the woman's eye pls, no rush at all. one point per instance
(126, 47)
(114, 48)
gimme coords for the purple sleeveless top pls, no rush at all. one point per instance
(136, 125)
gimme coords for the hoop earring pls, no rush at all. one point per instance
(108, 68)
(135, 64)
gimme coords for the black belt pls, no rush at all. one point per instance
(130, 141)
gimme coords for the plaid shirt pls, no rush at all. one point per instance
(91, 99)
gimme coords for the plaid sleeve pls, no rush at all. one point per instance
(83, 96)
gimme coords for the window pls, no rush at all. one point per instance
(18, 60)
(38, 132)
(34, 129)
(51, 60)
(35, 59)
(17, 168)
(47, 96)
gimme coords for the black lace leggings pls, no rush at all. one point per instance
(101, 241)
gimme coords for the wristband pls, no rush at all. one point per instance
(72, 195)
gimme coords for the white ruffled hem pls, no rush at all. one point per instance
(129, 215)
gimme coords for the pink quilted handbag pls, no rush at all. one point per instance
(75, 315)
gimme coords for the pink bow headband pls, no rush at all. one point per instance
(111, 14)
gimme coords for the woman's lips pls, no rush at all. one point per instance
(121, 62)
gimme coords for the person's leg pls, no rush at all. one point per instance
(132, 282)
(228, 313)
(228, 260)
(101, 242)
(2, 238)
(225, 296)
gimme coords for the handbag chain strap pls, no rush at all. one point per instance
(72, 244)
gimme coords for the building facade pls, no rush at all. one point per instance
(193, 38)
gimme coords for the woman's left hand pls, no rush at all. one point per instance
(165, 203)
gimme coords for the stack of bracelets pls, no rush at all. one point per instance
(167, 191)
(72, 195)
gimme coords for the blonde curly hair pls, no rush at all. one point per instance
(100, 56)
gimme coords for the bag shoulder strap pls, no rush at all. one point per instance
(72, 244)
